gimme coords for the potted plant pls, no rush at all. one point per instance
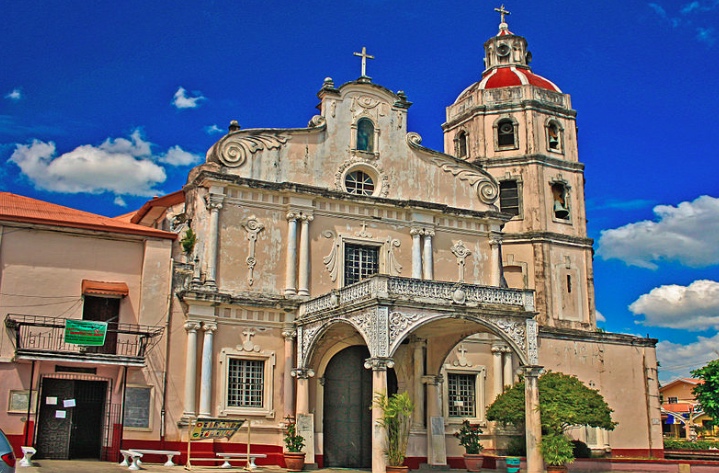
(468, 436)
(557, 451)
(396, 419)
(294, 443)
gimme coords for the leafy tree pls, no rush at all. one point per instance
(707, 393)
(564, 401)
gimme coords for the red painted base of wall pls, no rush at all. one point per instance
(205, 450)
(637, 453)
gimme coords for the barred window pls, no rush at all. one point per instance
(360, 262)
(245, 382)
(461, 394)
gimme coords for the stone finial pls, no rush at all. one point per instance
(234, 126)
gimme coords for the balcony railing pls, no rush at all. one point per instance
(38, 336)
(436, 292)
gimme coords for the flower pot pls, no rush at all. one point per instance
(396, 469)
(295, 461)
(513, 464)
(556, 468)
(473, 461)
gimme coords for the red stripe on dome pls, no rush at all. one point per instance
(509, 77)
(503, 77)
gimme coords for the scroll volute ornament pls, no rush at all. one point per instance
(235, 149)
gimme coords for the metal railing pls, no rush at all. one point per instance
(38, 333)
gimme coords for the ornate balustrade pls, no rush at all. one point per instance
(442, 293)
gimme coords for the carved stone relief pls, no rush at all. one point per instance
(234, 150)
(461, 252)
(252, 226)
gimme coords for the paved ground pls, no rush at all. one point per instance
(90, 466)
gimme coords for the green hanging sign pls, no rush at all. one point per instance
(85, 332)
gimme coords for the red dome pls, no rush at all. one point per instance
(512, 76)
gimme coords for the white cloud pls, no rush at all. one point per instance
(213, 130)
(687, 233)
(707, 35)
(176, 156)
(693, 307)
(15, 95)
(182, 100)
(120, 166)
(676, 360)
(600, 317)
(119, 201)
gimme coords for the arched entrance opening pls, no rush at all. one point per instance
(347, 420)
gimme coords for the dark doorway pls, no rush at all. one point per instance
(347, 425)
(66, 431)
(103, 309)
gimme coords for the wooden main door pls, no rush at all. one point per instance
(347, 426)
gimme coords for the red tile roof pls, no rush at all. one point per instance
(17, 208)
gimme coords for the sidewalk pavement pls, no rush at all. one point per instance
(93, 466)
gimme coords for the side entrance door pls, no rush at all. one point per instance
(67, 431)
(347, 426)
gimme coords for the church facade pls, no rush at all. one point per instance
(318, 266)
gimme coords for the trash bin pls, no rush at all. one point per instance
(512, 464)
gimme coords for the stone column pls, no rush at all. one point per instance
(379, 435)
(305, 256)
(190, 368)
(533, 423)
(427, 263)
(303, 376)
(418, 360)
(436, 449)
(206, 380)
(496, 266)
(288, 393)
(291, 269)
(416, 253)
(214, 204)
(497, 372)
(508, 376)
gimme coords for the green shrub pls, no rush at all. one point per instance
(581, 450)
(676, 444)
(517, 447)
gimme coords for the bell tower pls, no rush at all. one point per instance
(521, 128)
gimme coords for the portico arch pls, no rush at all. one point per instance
(385, 311)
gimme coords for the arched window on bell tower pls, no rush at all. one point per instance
(365, 135)
(460, 144)
(505, 134)
(555, 137)
(560, 206)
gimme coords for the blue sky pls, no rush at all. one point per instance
(104, 104)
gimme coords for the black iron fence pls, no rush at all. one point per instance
(37, 333)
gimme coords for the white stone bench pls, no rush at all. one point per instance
(228, 457)
(130, 459)
(169, 453)
(27, 453)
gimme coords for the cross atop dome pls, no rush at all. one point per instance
(503, 27)
(502, 12)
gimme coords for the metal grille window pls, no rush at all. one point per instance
(359, 183)
(509, 197)
(245, 383)
(461, 394)
(360, 262)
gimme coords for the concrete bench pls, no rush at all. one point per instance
(130, 459)
(228, 457)
(169, 453)
(27, 453)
